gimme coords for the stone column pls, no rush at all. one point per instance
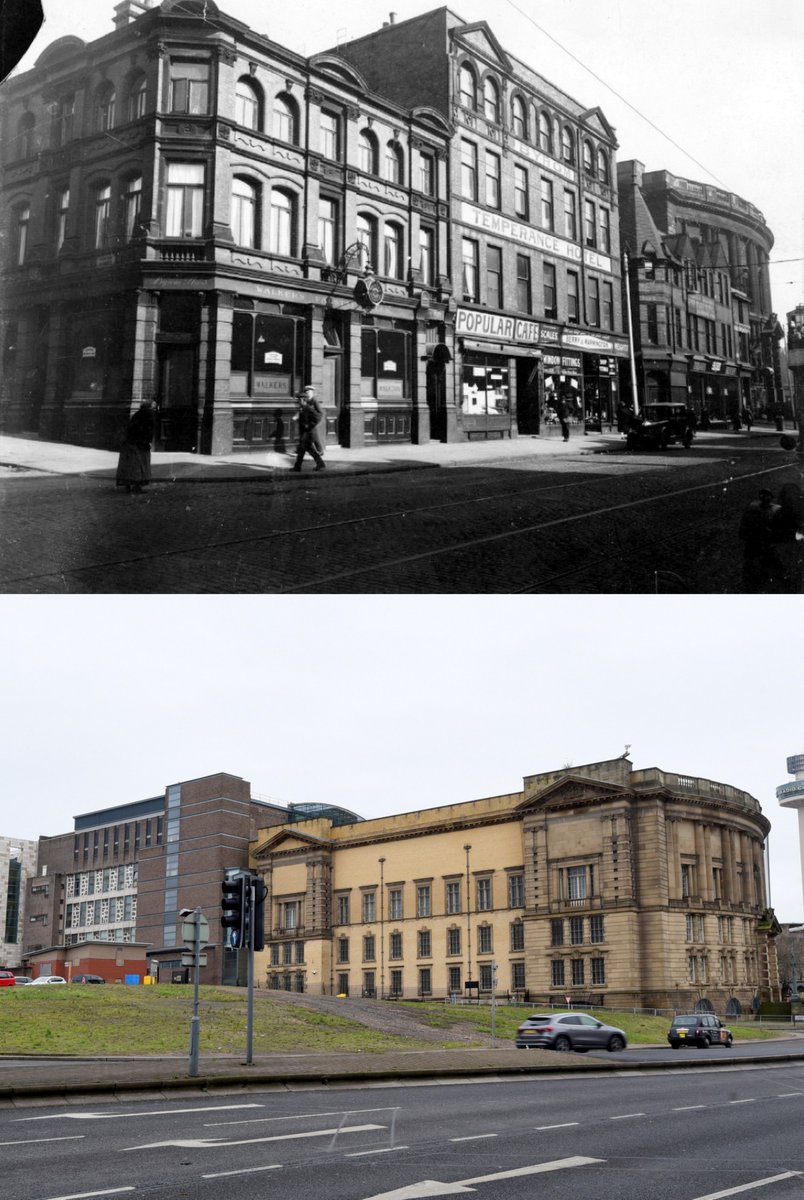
(215, 420)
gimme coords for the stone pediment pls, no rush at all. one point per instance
(479, 37)
(571, 789)
(595, 121)
(286, 841)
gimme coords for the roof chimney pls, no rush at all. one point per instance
(129, 10)
(392, 18)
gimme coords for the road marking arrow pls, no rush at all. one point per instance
(212, 1143)
(432, 1187)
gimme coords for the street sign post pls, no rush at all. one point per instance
(195, 935)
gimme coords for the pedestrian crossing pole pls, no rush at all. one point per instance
(195, 934)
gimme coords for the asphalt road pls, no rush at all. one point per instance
(687, 1135)
(613, 522)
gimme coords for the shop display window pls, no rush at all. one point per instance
(267, 355)
(385, 364)
(486, 388)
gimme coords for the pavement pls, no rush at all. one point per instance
(26, 456)
(45, 1081)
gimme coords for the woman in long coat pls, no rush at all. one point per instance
(134, 464)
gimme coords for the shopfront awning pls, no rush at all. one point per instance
(505, 348)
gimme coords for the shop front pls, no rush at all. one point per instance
(386, 379)
(269, 352)
(499, 369)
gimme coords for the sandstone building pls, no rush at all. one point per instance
(599, 883)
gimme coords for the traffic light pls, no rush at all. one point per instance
(258, 914)
(234, 909)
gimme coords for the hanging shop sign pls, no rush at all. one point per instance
(368, 294)
(470, 323)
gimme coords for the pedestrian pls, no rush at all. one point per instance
(787, 540)
(622, 417)
(310, 416)
(755, 533)
(748, 418)
(134, 463)
(563, 417)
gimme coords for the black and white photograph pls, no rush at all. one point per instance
(330, 299)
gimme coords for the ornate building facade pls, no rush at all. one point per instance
(705, 333)
(196, 215)
(600, 883)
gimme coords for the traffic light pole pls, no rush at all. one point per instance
(250, 981)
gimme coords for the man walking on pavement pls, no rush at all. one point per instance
(310, 416)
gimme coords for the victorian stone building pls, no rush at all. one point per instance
(536, 309)
(196, 215)
(600, 883)
(705, 332)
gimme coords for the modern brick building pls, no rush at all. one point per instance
(196, 215)
(705, 332)
(124, 873)
(534, 238)
(599, 883)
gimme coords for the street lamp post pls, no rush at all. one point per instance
(467, 848)
(382, 928)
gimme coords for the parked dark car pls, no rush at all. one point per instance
(661, 424)
(568, 1031)
(88, 979)
(698, 1029)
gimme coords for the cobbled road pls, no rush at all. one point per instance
(612, 522)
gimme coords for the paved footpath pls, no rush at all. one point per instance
(24, 456)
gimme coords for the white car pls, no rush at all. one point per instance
(48, 979)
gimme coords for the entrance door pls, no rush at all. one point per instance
(527, 395)
(177, 423)
(331, 397)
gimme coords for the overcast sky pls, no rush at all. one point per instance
(721, 79)
(389, 704)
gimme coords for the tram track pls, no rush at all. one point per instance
(432, 521)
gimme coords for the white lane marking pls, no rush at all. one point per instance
(73, 1137)
(788, 1095)
(558, 1164)
(625, 1116)
(747, 1100)
(433, 1187)
(244, 1171)
(688, 1108)
(211, 1143)
(336, 1112)
(156, 1112)
(475, 1137)
(746, 1187)
(566, 1125)
(87, 1195)
(382, 1150)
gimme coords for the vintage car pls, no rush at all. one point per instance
(661, 424)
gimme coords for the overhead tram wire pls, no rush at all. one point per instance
(614, 92)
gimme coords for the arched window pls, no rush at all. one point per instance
(366, 229)
(25, 135)
(286, 120)
(519, 123)
(247, 104)
(244, 211)
(567, 145)
(137, 97)
(62, 213)
(283, 231)
(491, 100)
(101, 215)
(392, 246)
(603, 171)
(394, 163)
(588, 158)
(22, 218)
(367, 150)
(545, 133)
(104, 107)
(467, 87)
(133, 199)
